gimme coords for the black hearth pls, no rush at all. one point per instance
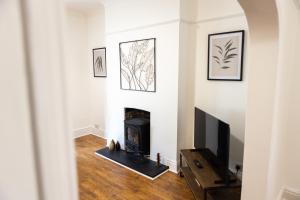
(137, 131)
(137, 144)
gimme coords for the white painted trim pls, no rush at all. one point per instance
(212, 19)
(90, 134)
(175, 21)
(99, 136)
(171, 163)
(82, 132)
(132, 169)
(88, 130)
(220, 18)
(143, 27)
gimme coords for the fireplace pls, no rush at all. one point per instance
(137, 146)
(137, 131)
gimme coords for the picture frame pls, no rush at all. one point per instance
(99, 62)
(138, 65)
(225, 56)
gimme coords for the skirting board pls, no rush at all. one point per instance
(172, 164)
(131, 169)
(89, 130)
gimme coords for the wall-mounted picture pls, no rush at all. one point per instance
(99, 62)
(137, 65)
(225, 56)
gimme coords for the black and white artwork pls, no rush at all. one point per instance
(99, 62)
(137, 65)
(225, 56)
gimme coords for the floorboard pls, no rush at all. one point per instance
(100, 179)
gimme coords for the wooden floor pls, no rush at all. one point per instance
(101, 179)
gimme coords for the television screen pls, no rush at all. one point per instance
(212, 139)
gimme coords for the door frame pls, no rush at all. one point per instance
(44, 51)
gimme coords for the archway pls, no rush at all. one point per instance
(272, 111)
(262, 17)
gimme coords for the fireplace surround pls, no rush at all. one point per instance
(137, 131)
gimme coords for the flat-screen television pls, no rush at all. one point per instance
(212, 139)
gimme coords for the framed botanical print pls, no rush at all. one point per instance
(225, 56)
(99, 62)
(137, 65)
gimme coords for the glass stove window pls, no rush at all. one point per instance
(133, 136)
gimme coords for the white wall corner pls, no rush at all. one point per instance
(87, 131)
(97, 131)
(172, 164)
(82, 131)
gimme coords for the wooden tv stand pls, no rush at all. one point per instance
(202, 181)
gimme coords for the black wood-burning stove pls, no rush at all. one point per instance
(137, 145)
(137, 131)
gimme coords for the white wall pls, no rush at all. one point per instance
(271, 138)
(208, 9)
(85, 30)
(163, 103)
(78, 69)
(122, 24)
(136, 13)
(17, 169)
(186, 84)
(285, 163)
(97, 96)
(224, 99)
